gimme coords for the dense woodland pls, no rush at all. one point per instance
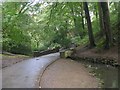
(30, 26)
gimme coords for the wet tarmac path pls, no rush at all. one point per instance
(25, 74)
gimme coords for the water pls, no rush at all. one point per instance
(106, 74)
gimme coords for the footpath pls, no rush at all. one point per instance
(66, 73)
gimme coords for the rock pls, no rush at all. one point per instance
(65, 53)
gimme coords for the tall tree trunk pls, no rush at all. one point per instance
(101, 19)
(106, 20)
(82, 20)
(74, 19)
(90, 32)
(81, 13)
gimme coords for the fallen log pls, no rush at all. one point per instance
(40, 53)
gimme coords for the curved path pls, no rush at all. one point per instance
(66, 73)
(25, 74)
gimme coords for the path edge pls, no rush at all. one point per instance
(41, 73)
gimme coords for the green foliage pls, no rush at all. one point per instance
(29, 27)
(15, 39)
(100, 43)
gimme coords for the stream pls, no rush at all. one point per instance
(106, 74)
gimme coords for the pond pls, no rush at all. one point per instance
(106, 74)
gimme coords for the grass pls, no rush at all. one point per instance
(13, 56)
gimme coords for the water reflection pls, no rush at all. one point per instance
(107, 75)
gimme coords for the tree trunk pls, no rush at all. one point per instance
(76, 26)
(82, 20)
(74, 19)
(90, 32)
(81, 13)
(101, 19)
(106, 20)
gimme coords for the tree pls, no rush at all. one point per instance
(106, 21)
(90, 32)
(38, 26)
(101, 19)
(15, 25)
(73, 15)
(82, 18)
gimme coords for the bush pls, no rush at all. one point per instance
(16, 48)
(21, 49)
